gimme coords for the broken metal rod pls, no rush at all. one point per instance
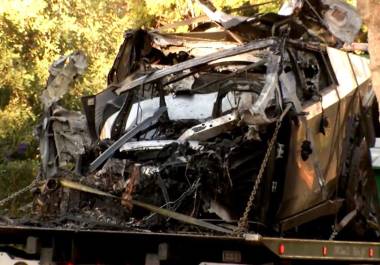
(164, 212)
(147, 123)
(231, 75)
(250, 46)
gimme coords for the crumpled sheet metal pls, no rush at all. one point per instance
(70, 134)
(62, 73)
(342, 20)
(254, 111)
(174, 69)
(63, 134)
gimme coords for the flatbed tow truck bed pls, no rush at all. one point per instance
(69, 246)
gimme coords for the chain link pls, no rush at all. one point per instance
(243, 221)
(18, 193)
(333, 234)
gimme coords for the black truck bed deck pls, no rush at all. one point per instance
(131, 247)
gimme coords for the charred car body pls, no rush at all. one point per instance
(242, 123)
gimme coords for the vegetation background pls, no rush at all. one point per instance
(34, 33)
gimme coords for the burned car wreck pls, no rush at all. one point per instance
(244, 123)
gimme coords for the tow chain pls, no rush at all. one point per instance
(18, 193)
(243, 221)
(333, 234)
